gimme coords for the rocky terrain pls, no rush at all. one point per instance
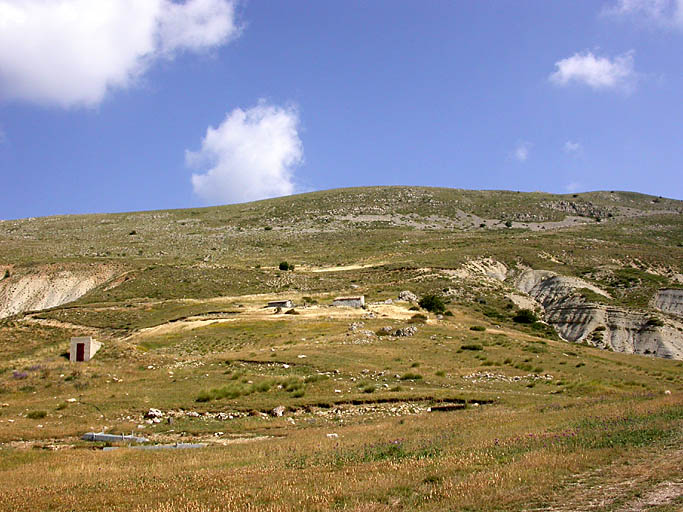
(46, 286)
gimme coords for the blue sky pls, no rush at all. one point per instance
(120, 105)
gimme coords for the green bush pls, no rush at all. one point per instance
(411, 376)
(36, 415)
(654, 322)
(432, 303)
(477, 328)
(417, 318)
(472, 346)
(285, 266)
(525, 316)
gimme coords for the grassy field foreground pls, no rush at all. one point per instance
(490, 458)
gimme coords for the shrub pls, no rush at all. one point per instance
(285, 266)
(525, 316)
(368, 388)
(411, 376)
(418, 318)
(440, 373)
(36, 415)
(7, 274)
(654, 322)
(291, 312)
(432, 303)
(477, 328)
(448, 313)
(472, 346)
(508, 223)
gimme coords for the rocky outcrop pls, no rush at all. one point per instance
(551, 289)
(486, 267)
(616, 329)
(577, 319)
(669, 300)
(47, 286)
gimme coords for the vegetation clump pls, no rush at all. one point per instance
(433, 303)
(472, 346)
(525, 316)
(285, 266)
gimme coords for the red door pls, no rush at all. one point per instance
(80, 351)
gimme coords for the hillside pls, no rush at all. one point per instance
(559, 309)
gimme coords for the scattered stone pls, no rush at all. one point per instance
(406, 331)
(667, 392)
(154, 413)
(278, 411)
(407, 296)
(333, 436)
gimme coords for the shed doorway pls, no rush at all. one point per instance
(80, 352)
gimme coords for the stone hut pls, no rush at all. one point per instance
(280, 304)
(83, 348)
(350, 302)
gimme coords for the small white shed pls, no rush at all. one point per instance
(83, 348)
(280, 304)
(350, 302)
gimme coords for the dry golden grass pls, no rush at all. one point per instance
(491, 458)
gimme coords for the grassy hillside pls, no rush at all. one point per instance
(471, 410)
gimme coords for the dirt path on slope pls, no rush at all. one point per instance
(651, 480)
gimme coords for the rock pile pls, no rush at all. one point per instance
(408, 296)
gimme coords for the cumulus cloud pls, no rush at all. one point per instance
(72, 52)
(599, 73)
(521, 152)
(573, 148)
(663, 13)
(251, 155)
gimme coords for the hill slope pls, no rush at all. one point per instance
(399, 407)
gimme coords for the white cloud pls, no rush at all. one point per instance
(572, 147)
(521, 152)
(663, 13)
(72, 52)
(596, 72)
(251, 155)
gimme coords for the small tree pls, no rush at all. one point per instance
(286, 266)
(432, 303)
(525, 316)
